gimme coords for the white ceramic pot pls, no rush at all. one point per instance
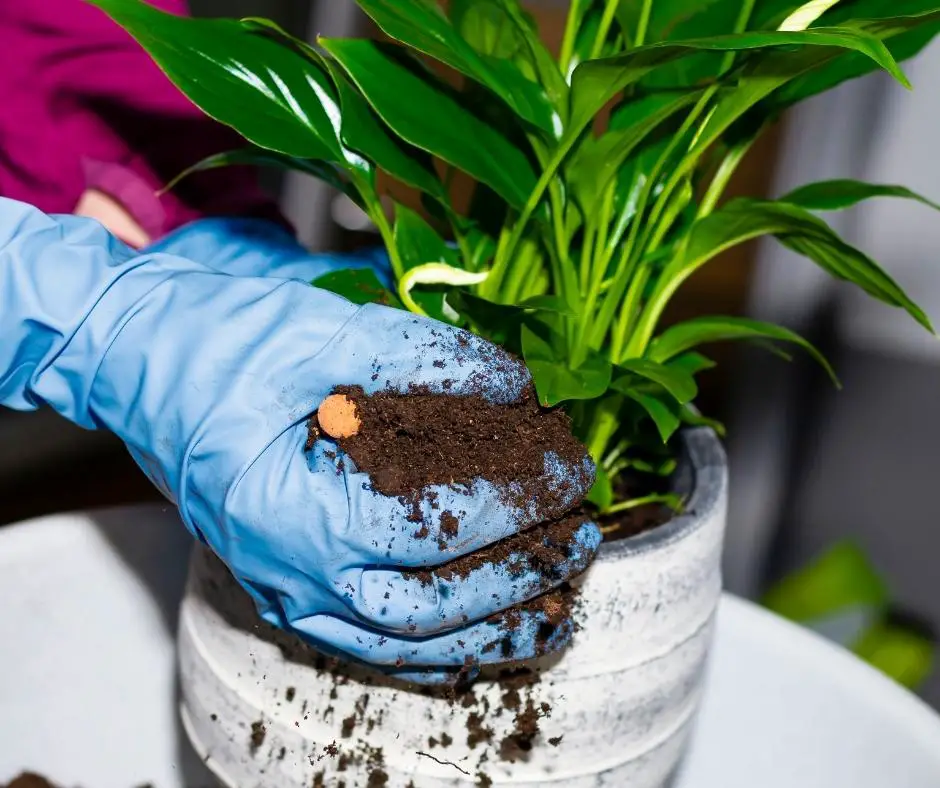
(264, 711)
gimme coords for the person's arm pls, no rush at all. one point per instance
(209, 379)
(90, 123)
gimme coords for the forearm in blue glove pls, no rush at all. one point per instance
(209, 380)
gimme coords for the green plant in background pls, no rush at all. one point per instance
(842, 596)
(599, 173)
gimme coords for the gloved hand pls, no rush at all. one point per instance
(209, 379)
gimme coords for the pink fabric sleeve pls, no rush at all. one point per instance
(84, 106)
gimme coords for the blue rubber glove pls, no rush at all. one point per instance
(209, 377)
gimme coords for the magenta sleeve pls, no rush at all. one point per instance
(84, 107)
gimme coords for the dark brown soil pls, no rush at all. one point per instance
(544, 549)
(640, 519)
(258, 733)
(408, 442)
(29, 780)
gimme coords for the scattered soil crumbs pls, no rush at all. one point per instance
(546, 549)
(258, 732)
(29, 780)
(407, 442)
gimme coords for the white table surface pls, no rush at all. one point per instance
(87, 694)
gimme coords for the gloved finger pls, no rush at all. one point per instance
(257, 247)
(386, 349)
(534, 629)
(434, 677)
(446, 676)
(446, 522)
(475, 586)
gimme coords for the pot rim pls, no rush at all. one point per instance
(703, 468)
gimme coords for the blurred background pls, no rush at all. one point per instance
(810, 466)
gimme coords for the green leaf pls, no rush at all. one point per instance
(269, 93)
(431, 119)
(599, 160)
(691, 363)
(545, 69)
(259, 157)
(744, 219)
(903, 655)
(660, 407)
(422, 25)
(842, 577)
(359, 285)
(596, 82)
(904, 37)
(678, 383)
(486, 27)
(554, 380)
(838, 194)
(363, 132)
(683, 336)
(547, 303)
(419, 243)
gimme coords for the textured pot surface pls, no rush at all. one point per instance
(619, 702)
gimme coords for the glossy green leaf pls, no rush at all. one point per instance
(842, 577)
(596, 82)
(423, 25)
(259, 157)
(660, 407)
(679, 338)
(419, 243)
(364, 132)
(554, 380)
(269, 93)
(744, 219)
(544, 68)
(691, 363)
(904, 37)
(485, 25)
(679, 384)
(359, 285)
(838, 194)
(547, 303)
(431, 119)
(599, 160)
(904, 655)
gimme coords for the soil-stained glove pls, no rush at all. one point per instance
(209, 379)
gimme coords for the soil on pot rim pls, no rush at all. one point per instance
(642, 518)
(29, 780)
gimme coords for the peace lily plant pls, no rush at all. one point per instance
(599, 174)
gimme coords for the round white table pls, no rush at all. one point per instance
(87, 695)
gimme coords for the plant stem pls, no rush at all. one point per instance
(632, 252)
(610, 8)
(529, 208)
(722, 177)
(603, 426)
(377, 215)
(571, 32)
(671, 498)
(643, 23)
